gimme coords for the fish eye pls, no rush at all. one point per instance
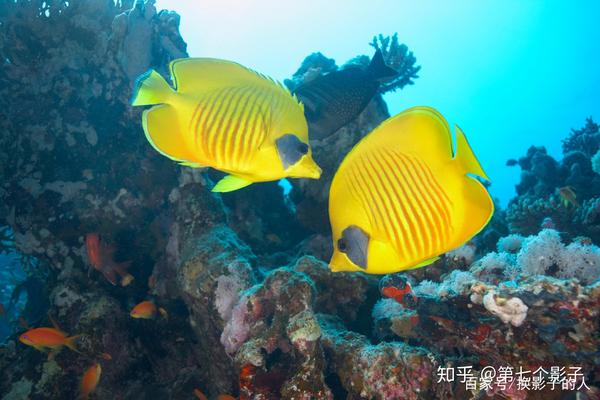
(302, 148)
(342, 245)
(290, 149)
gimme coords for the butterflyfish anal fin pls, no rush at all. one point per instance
(231, 183)
(465, 155)
(163, 131)
(192, 164)
(424, 263)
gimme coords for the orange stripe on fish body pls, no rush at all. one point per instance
(90, 380)
(401, 197)
(228, 117)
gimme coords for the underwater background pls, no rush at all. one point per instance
(176, 292)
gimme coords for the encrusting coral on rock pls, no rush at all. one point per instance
(249, 305)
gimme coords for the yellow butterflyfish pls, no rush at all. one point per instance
(225, 116)
(402, 197)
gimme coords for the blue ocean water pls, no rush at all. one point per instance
(511, 74)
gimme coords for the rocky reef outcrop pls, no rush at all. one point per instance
(563, 194)
(248, 304)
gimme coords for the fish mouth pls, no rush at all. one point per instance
(315, 172)
(311, 170)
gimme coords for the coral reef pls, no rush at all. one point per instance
(251, 306)
(559, 194)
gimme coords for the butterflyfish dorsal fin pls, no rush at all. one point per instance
(419, 131)
(202, 75)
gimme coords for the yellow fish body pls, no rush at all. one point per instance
(228, 117)
(400, 198)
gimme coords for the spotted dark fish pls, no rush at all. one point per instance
(333, 100)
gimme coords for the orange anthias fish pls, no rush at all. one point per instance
(90, 380)
(144, 310)
(52, 339)
(101, 255)
(199, 395)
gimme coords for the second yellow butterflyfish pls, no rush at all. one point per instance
(402, 196)
(228, 117)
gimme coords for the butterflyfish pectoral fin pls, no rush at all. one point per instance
(163, 132)
(231, 183)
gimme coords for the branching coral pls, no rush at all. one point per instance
(539, 253)
(542, 254)
(586, 139)
(398, 57)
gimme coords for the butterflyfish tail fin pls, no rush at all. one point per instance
(464, 154)
(71, 343)
(231, 183)
(150, 88)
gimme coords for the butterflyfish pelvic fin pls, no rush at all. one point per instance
(231, 183)
(464, 155)
(149, 89)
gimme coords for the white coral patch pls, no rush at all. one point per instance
(512, 310)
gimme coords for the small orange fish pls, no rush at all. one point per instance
(90, 380)
(101, 255)
(44, 339)
(225, 397)
(106, 356)
(199, 395)
(568, 196)
(144, 310)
